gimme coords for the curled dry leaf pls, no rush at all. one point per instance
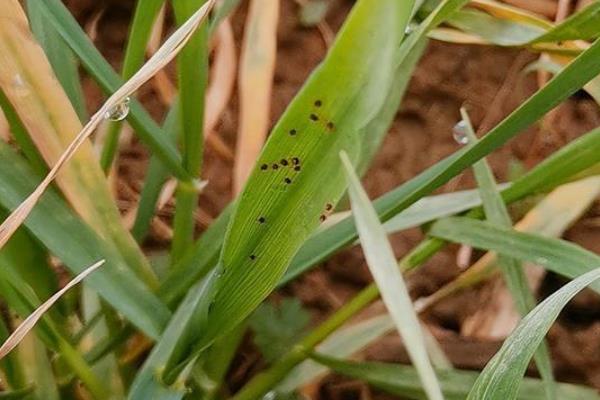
(162, 57)
(27, 325)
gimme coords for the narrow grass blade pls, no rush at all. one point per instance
(499, 379)
(38, 368)
(192, 72)
(146, 12)
(159, 60)
(514, 276)
(147, 383)
(156, 177)
(582, 25)
(19, 132)
(382, 263)
(556, 255)
(257, 67)
(18, 334)
(401, 380)
(550, 217)
(61, 57)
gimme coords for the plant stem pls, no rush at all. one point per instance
(192, 64)
(265, 381)
(141, 27)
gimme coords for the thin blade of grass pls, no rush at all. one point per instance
(144, 16)
(382, 263)
(192, 74)
(502, 376)
(514, 276)
(19, 333)
(550, 217)
(582, 25)
(402, 380)
(556, 255)
(159, 60)
(257, 66)
(60, 56)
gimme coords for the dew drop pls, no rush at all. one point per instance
(408, 30)
(314, 117)
(293, 132)
(297, 168)
(318, 103)
(119, 111)
(287, 181)
(284, 162)
(264, 167)
(295, 160)
(262, 220)
(459, 133)
(252, 257)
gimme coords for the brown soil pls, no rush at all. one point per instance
(448, 77)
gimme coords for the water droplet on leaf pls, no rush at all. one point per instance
(119, 111)
(459, 132)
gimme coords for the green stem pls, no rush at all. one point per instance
(144, 16)
(83, 371)
(192, 64)
(265, 381)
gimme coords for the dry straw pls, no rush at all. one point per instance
(22, 330)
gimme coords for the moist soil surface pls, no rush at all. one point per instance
(489, 83)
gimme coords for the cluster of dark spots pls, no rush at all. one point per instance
(318, 103)
(252, 257)
(264, 167)
(323, 217)
(314, 117)
(283, 162)
(275, 166)
(328, 207)
(287, 181)
(293, 132)
(261, 220)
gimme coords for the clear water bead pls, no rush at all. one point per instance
(459, 132)
(408, 30)
(119, 111)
